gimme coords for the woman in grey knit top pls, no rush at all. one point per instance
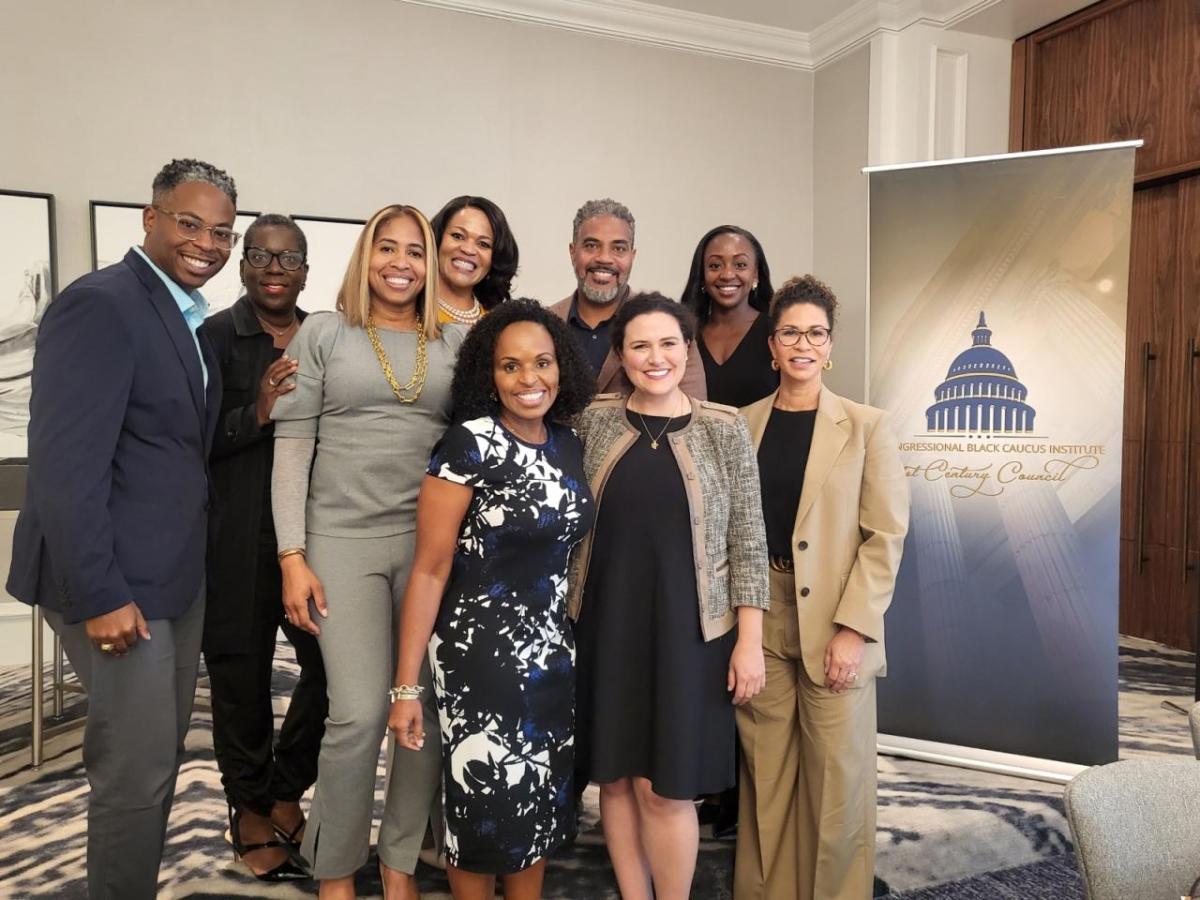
(352, 442)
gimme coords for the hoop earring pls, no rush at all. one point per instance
(774, 365)
(828, 365)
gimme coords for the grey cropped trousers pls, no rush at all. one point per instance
(364, 580)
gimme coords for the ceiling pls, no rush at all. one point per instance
(803, 34)
(997, 18)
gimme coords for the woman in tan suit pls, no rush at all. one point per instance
(835, 505)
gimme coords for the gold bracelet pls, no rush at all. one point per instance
(292, 551)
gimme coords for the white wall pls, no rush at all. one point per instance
(922, 93)
(337, 109)
(907, 109)
(841, 116)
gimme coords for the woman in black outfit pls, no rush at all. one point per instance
(729, 290)
(264, 776)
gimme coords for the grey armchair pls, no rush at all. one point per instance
(1136, 826)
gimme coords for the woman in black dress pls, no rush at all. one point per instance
(668, 596)
(503, 503)
(729, 290)
(264, 775)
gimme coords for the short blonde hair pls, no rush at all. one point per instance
(354, 297)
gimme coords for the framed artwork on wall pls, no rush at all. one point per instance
(29, 282)
(118, 226)
(330, 245)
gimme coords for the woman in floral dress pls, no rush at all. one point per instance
(504, 501)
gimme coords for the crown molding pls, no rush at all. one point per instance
(855, 27)
(649, 23)
(659, 26)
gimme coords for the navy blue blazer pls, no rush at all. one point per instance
(116, 505)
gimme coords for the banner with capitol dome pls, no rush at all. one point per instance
(997, 345)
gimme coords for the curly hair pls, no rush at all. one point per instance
(651, 302)
(496, 285)
(180, 171)
(696, 298)
(804, 289)
(474, 389)
(604, 207)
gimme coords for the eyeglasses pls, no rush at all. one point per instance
(289, 260)
(818, 336)
(190, 228)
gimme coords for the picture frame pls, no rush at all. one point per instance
(29, 280)
(331, 242)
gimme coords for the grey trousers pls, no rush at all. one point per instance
(364, 581)
(139, 708)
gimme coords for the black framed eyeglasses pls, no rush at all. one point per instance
(260, 258)
(190, 228)
(818, 336)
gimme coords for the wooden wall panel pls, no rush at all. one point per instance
(1149, 596)
(1118, 70)
(1016, 112)
(1183, 77)
(1182, 621)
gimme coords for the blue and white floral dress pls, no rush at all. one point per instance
(502, 651)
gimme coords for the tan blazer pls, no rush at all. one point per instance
(612, 379)
(850, 527)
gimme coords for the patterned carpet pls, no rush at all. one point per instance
(943, 832)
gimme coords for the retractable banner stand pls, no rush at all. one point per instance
(997, 344)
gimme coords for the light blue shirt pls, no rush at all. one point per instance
(191, 303)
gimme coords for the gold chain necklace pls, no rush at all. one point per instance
(654, 440)
(271, 329)
(417, 382)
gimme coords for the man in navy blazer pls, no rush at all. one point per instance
(111, 540)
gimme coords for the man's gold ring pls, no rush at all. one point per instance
(107, 648)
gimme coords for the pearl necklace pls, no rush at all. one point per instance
(462, 316)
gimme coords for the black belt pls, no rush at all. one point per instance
(781, 563)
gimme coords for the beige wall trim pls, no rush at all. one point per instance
(660, 26)
(648, 23)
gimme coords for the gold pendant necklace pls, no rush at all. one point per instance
(417, 381)
(654, 440)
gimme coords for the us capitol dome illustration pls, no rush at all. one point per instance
(981, 393)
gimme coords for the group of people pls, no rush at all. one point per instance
(540, 545)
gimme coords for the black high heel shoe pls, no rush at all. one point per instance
(288, 870)
(292, 839)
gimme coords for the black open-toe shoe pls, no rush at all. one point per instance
(288, 870)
